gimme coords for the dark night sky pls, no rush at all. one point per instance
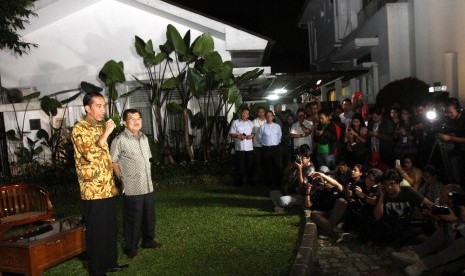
(274, 19)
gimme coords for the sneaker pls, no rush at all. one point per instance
(416, 269)
(344, 237)
(409, 256)
(279, 210)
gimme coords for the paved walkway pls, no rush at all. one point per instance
(354, 258)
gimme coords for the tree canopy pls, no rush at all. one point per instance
(14, 15)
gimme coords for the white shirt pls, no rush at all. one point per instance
(257, 123)
(346, 120)
(239, 126)
(296, 129)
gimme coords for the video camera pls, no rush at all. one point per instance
(458, 199)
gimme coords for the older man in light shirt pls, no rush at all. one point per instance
(269, 136)
(241, 132)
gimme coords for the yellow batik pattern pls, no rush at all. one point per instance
(93, 163)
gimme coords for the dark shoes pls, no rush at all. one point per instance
(153, 244)
(117, 268)
(132, 254)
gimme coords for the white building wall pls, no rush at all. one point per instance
(398, 41)
(75, 48)
(439, 29)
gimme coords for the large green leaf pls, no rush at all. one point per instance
(155, 60)
(139, 44)
(225, 72)
(213, 62)
(129, 93)
(170, 84)
(49, 105)
(230, 94)
(174, 108)
(203, 45)
(13, 95)
(198, 120)
(89, 87)
(195, 82)
(175, 39)
(43, 134)
(250, 75)
(31, 96)
(70, 99)
(112, 72)
(11, 135)
(149, 47)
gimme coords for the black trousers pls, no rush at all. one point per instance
(138, 220)
(272, 165)
(101, 234)
(244, 167)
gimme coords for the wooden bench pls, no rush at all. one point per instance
(22, 204)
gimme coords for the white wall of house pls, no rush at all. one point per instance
(76, 38)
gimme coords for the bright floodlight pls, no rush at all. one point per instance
(318, 82)
(280, 91)
(431, 115)
(272, 97)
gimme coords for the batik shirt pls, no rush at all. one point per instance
(93, 162)
(132, 154)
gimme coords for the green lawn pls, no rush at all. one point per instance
(208, 229)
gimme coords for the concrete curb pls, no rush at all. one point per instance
(303, 264)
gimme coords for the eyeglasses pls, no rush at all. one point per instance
(135, 119)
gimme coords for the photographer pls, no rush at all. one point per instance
(294, 182)
(457, 137)
(394, 211)
(447, 244)
(361, 197)
(323, 197)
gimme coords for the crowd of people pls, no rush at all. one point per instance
(380, 172)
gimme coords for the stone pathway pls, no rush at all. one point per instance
(354, 258)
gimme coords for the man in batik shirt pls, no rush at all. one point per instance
(95, 175)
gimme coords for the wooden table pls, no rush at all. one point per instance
(32, 252)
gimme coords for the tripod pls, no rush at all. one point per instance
(438, 144)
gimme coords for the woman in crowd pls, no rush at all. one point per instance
(410, 174)
(356, 148)
(404, 139)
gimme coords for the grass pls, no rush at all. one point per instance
(206, 229)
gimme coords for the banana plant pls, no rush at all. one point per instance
(190, 69)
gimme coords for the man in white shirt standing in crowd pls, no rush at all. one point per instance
(347, 113)
(269, 136)
(301, 131)
(257, 146)
(242, 133)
